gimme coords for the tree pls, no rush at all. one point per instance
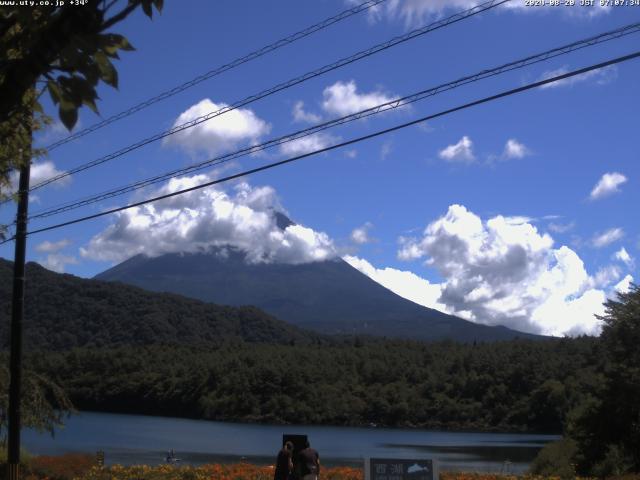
(63, 50)
(44, 402)
(66, 51)
(607, 429)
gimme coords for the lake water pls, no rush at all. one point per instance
(129, 439)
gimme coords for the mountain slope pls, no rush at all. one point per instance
(330, 296)
(64, 311)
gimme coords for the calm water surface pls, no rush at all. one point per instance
(129, 439)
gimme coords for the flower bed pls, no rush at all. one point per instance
(82, 467)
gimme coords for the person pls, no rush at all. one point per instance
(284, 463)
(309, 462)
(171, 457)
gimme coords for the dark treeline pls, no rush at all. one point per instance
(512, 386)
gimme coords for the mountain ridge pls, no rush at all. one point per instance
(326, 296)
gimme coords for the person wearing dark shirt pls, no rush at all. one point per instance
(309, 463)
(284, 464)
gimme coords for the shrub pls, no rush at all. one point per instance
(616, 462)
(556, 459)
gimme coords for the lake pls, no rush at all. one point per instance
(129, 439)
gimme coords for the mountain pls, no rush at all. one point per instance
(330, 296)
(63, 311)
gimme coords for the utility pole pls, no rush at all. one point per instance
(17, 314)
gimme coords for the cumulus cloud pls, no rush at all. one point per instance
(219, 134)
(404, 283)
(624, 285)
(52, 247)
(623, 256)
(55, 260)
(504, 272)
(459, 152)
(197, 221)
(39, 172)
(360, 235)
(307, 144)
(606, 238)
(607, 185)
(343, 98)
(600, 76)
(515, 149)
(301, 115)
(58, 261)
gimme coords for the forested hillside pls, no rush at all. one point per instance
(64, 311)
(517, 385)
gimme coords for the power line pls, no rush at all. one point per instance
(219, 70)
(282, 86)
(346, 143)
(394, 104)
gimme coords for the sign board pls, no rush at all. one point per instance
(100, 458)
(400, 469)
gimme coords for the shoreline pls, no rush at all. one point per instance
(407, 427)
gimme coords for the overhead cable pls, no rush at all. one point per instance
(277, 88)
(491, 98)
(219, 70)
(383, 107)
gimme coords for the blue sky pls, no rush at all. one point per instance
(517, 212)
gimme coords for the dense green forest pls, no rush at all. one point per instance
(517, 385)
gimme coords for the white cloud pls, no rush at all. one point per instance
(52, 247)
(351, 153)
(57, 262)
(360, 235)
(404, 283)
(243, 219)
(307, 144)
(600, 76)
(606, 238)
(386, 150)
(624, 257)
(504, 272)
(219, 134)
(576, 10)
(417, 12)
(343, 99)
(624, 285)
(606, 276)
(515, 149)
(39, 172)
(607, 185)
(301, 115)
(55, 131)
(459, 152)
(518, 220)
(561, 227)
